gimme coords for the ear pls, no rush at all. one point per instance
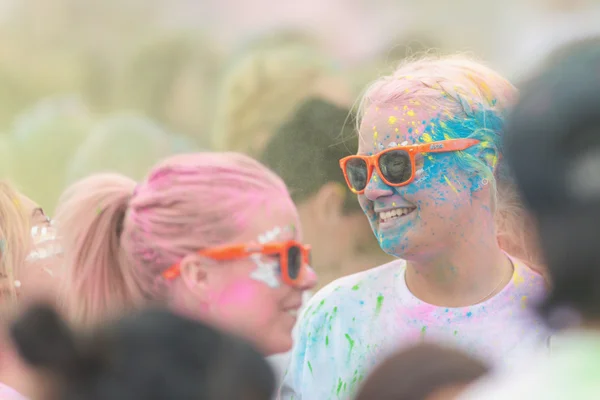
(489, 155)
(329, 203)
(195, 274)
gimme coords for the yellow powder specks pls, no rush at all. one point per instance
(374, 127)
(377, 109)
(448, 114)
(392, 120)
(410, 113)
(517, 279)
(406, 91)
(450, 184)
(405, 108)
(396, 129)
(415, 102)
(416, 131)
(374, 178)
(375, 135)
(427, 138)
(524, 302)
(447, 137)
(434, 107)
(393, 204)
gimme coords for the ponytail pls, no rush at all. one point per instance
(99, 281)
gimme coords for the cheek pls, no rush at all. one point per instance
(245, 299)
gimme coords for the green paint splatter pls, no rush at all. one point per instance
(351, 343)
(355, 287)
(379, 304)
(423, 332)
(339, 386)
(309, 367)
(321, 304)
(326, 341)
(455, 333)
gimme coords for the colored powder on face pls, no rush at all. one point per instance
(426, 137)
(410, 113)
(379, 304)
(450, 184)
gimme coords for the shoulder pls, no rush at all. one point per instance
(351, 290)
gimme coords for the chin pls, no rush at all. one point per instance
(278, 346)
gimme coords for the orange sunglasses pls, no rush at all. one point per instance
(293, 258)
(396, 165)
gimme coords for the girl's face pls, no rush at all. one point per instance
(248, 296)
(431, 212)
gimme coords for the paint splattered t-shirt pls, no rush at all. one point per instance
(355, 322)
(571, 371)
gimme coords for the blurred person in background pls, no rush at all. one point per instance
(172, 80)
(214, 236)
(305, 153)
(148, 355)
(263, 85)
(428, 175)
(27, 249)
(553, 147)
(42, 142)
(126, 144)
(423, 372)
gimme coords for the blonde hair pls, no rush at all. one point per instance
(15, 243)
(262, 88)
(479, 99)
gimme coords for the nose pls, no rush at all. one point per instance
(377, 188)
(309, 280)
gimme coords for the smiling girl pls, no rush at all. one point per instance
(214, 236)
(426, 176)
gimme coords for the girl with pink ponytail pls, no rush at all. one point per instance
(214, 236)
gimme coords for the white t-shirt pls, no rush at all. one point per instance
(569, 372)
(357, 321)
(8, 393)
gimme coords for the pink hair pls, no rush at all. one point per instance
(117, 240)
(461, 87)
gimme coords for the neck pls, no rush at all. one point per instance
(468, 273)
(16, 375)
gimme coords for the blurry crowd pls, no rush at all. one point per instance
(180, 222)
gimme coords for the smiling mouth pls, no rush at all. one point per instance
(386, 216)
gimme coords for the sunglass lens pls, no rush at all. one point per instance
(357, 172)
(395, 166)
(294, 262)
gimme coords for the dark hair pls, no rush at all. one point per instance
(150, 355)
(553, 147)
(305, 151)
(417, 372)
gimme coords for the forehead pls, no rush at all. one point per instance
(408, 121)
(272, 222)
